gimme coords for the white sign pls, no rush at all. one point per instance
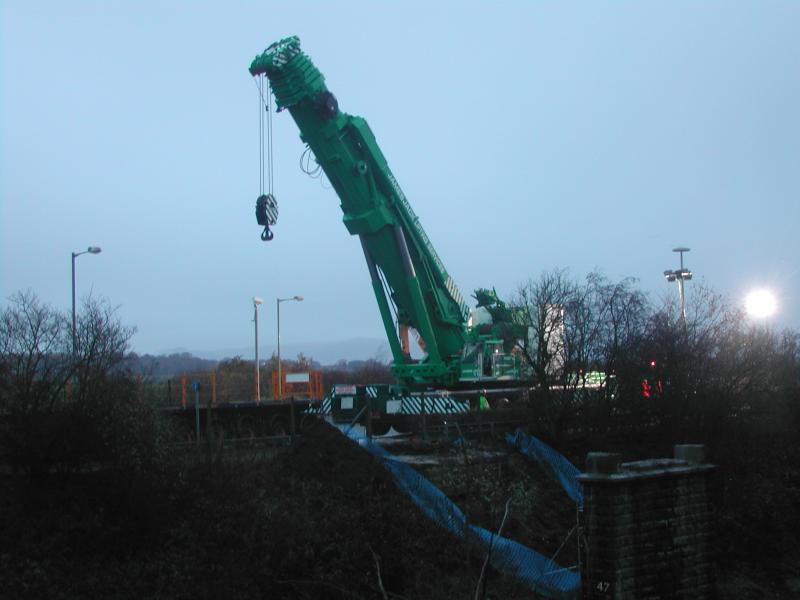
(297, 378)
(347, 402)
(393, 407)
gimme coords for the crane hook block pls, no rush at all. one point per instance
(266, 214)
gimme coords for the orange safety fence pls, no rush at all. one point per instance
(306, 383)
(221, 387)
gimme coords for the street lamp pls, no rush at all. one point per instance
(256, 302)
(89, 250)
(278, 304)
(680, 275)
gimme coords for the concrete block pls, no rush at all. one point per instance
(602, 463)
(694, 454)
(653, 464)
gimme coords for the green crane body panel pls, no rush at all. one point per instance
(396, 247)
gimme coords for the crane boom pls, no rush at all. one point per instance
(406, 272)
(396, 247)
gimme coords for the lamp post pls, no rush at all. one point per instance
(278, 304)
(89, 250)
(256, 303)
(680, 275)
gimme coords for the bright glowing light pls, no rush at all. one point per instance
(760, 304)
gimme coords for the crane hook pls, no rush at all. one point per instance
(266, 214)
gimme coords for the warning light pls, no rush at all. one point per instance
(652, 364)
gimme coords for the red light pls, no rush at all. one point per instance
(653, 363)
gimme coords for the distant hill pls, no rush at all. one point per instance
(166, 366)
(349, 354)
(325, 353)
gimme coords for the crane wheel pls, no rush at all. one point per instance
(278, 426)
(380, 427)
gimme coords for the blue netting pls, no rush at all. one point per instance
(536, 571)
(564, 471)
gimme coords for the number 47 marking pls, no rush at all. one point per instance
(603, 586)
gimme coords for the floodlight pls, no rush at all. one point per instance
(761, 304)
(680, 275)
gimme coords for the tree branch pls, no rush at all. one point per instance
(376, 558)
(480, 589)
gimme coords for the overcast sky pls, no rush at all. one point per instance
(526, 135)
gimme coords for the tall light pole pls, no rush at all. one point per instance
(256, 302)
(278, 304)
(89, 250)
(680, 276)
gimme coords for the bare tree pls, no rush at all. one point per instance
(621, 313)
(716, 365)
(579, 334)
(598, 352)
(36, 356)
(63, 409)
(539, 308)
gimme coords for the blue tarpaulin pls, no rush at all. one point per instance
(559, 467)
(538, 572)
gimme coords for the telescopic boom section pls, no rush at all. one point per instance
(397, 249)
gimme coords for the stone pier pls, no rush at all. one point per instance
(647, 527)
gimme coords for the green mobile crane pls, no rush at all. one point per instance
(411, 285)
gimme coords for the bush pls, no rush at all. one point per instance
(68, 405)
